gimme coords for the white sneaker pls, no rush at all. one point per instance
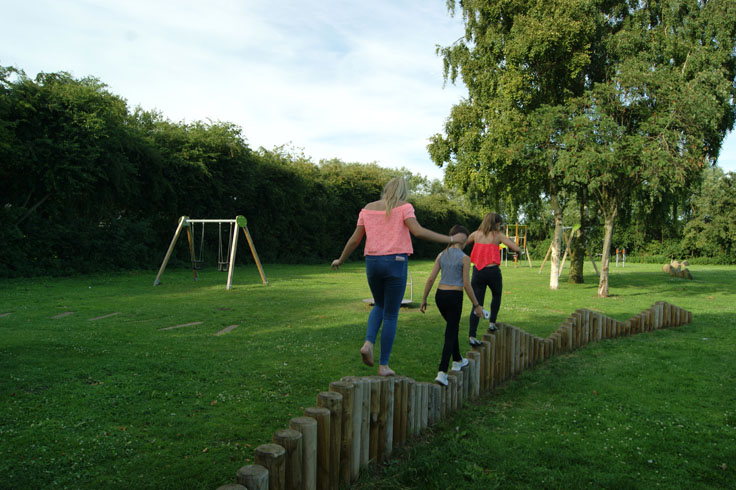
(457, 366)
(441, 378)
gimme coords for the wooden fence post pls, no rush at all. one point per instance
(359, 420)
(253, 477)
(273, 458)
(322, 416)
(347, 390)
(333, 402)
(307, 426)
(291, 441)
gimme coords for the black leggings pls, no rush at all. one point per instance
(489, 276)
(450, 304)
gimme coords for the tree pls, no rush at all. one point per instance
(521, 62)
(658, 104)
(712, 229)
(615, 96)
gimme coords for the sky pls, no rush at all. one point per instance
(354, 80)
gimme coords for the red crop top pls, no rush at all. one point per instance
(485, 254)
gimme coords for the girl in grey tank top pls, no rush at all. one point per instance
(455, 268)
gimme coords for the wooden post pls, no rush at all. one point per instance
(425, 405)
(253, 477)
(375, 386)
(436, 395)
(243, 223)
(453, 380)
(389, 406)
(322, 416)
(182, 220)
(403, 412)
(383, 416)
(475, 356)
(487, 361)
(347, 390)
(333, 402)
(445, 401)
(357, 417)
(397, 412)
(478, 349)
(307, 426)
(411, 393)
(273, 458)
(291, 441)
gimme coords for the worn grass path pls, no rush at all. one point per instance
(106, 397)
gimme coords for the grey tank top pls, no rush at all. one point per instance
(451, 264)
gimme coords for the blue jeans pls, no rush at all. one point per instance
(387, 279)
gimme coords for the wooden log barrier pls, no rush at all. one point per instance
(347, 390)
(322, 416)
(253, 477)
(307, 427)
(333, 402)
(359, 422)
(273, 458)
(291, 441)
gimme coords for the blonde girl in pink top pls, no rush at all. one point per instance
(387, 225)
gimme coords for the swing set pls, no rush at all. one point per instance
(226, 248)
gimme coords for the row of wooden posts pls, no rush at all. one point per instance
(362, 420)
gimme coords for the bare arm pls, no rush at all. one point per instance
(477, 308)
(421, 232)
(510, 243)
(350, 246)
(430, 283)
(471, 239)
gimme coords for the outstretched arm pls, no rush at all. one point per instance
(430, 283)
(477, 307)
(421, 232)
(510, 243)
(350, 246)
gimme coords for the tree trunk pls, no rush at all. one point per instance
(577, 251)
(609, 216)
(554, 274)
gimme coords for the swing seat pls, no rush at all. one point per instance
(223, 266)
(197, 264)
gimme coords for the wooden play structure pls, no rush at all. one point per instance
(569, 237)
(361, 420)
(519, 236)
(226, 248)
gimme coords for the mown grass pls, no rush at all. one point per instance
(119, 403)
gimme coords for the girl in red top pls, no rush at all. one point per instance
(486, 257)
(388, 225)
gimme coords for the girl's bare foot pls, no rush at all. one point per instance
(385, 371)
(366, 352)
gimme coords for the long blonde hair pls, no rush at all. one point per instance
(491, 222)
(394, 191)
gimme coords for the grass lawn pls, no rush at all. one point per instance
(124, 401)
